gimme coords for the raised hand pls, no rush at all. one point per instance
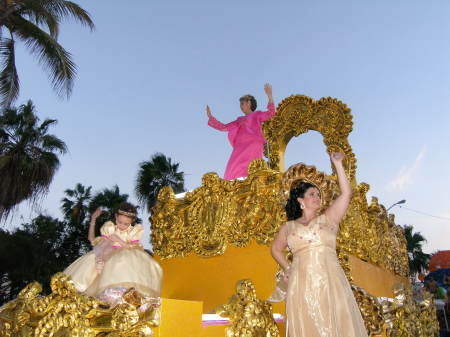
(96, 213)
(337, 209)
(337, 157)
(268, 91)
(208, 111)
(94, 216)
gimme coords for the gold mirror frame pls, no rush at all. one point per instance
(299, 114)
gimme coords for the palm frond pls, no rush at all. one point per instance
(50, 54)
(154, 175)
(28, 157)
(75, 205)
(9, 79)
(52, 143)
(418, 260)
(28, 19)
(39, 15)
(63, 9)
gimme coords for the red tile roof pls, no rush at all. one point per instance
(440, 260)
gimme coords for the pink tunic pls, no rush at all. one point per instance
(247, 139)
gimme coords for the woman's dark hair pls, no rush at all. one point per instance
(293, 210)
(251, 99)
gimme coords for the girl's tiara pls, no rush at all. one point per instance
(129, 214)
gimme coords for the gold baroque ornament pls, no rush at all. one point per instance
(218, 213)
(249, 316)
(65, 312)
(298, 114)
(222, 212)
(301, 172)
(371, 310)
(406, 317)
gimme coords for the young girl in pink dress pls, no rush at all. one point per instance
(245, 134)
(117, 262)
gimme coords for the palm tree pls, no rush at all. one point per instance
(108, 199)
(28, 157)
(36, 24)
(75, 209)
(155, 174)
(75, 204)
(418, 260)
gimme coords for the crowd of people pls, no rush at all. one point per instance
(441, 293)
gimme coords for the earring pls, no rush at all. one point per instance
(302, 206)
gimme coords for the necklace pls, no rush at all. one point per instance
(304, 224)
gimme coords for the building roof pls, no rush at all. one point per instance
(439, 260)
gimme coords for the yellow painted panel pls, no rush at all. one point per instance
(219, 331)
(212, 280)
(180, 319)
(375, 280)
(214, 331)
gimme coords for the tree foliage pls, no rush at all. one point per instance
(153, 175)
(36, 23)
(28, 156)
(418, 260)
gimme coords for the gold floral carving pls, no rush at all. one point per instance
(222, 212)
(249, 316)
(219, 213)
(299, 114)
(406, 317)
(65, 312)
(371, 310)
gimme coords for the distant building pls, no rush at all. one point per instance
(440, 260)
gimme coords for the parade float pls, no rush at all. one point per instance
(213, 244)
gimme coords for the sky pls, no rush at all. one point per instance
(148, 70)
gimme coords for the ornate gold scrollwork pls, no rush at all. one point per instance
(219, 213)
(65, 312)
(235, 212)
(249, 315)
(224, 212)
(297, 115)
(406, 317)
(371, 310)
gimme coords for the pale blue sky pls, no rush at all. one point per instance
(148, 70)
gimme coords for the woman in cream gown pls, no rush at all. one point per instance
(118, 262)
(319, 299)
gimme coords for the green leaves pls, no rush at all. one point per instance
(418, 260)
(9, 79)
(35, 251)
(27, 20)
(39, 15)
(28, 157)
(50, 54)
(64, 9)
(154, 175)
(75, 204)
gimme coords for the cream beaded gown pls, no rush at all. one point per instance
(319, 299)
(120, 268)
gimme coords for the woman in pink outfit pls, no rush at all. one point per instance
(245, 133)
